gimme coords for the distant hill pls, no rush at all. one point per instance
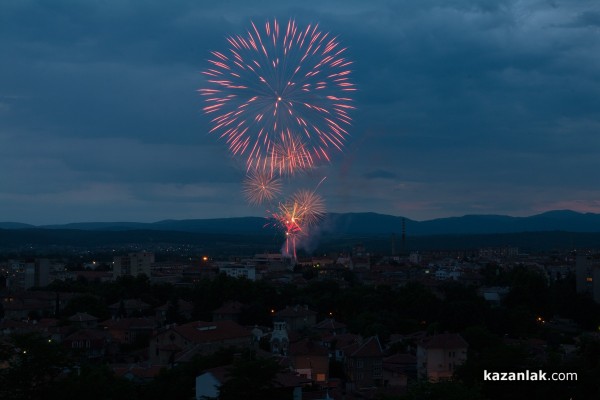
(15, 225)
(360, 224)
(370, 223)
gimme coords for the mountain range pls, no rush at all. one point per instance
(358, 224)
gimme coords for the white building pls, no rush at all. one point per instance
(439, 355)
(239, 271)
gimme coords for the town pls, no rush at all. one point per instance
(339, 325)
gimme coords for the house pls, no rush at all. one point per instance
(310, 360)
(439, 355)
(127, 330)
(181, 342)
(89, 343)
(397, 369)
(184, 308)
(338, 344)
(297, 318)
(230, 310)
(83, 320)
(330, 325)
(23, 305)
(364, 365)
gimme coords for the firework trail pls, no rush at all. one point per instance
(280, 96)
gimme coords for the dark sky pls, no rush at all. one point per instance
(463, 107)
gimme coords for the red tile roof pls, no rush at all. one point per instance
(329, 324)
(230, 307)
(129, 323)
(369, 348)
(82, 317)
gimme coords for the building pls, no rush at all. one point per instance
(239, 271)
(397, 369)
(129, 330)
(83, 320)
(272, 261)
(439, 355)
(185, 309)
(231, 310)
(297, 318)
(178, 343)
(88, 343)
(133, 264)
(330, 326)
(310, 360)
(28, 274)
(364, 364)
(587, 275)
(280, 341)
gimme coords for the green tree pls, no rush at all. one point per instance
(252, 379)
(34, 365)
(87, 303)
(93, 382)
(450, 390)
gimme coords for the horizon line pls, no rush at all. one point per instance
(328, 213)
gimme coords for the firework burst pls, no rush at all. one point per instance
(261, 187)
(277, 80)
(296, 216)
(310, 206)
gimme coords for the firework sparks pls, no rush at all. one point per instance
(310, 205)
(289, 155)
(274, 81)
(297, 215)
(261, 187)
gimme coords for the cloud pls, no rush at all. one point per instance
(475, 105)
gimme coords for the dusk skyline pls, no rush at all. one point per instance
(463, 107)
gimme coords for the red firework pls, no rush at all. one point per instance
(297, 215)
(278, 86)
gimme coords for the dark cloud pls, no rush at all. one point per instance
(479, 106)
(588, 18)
